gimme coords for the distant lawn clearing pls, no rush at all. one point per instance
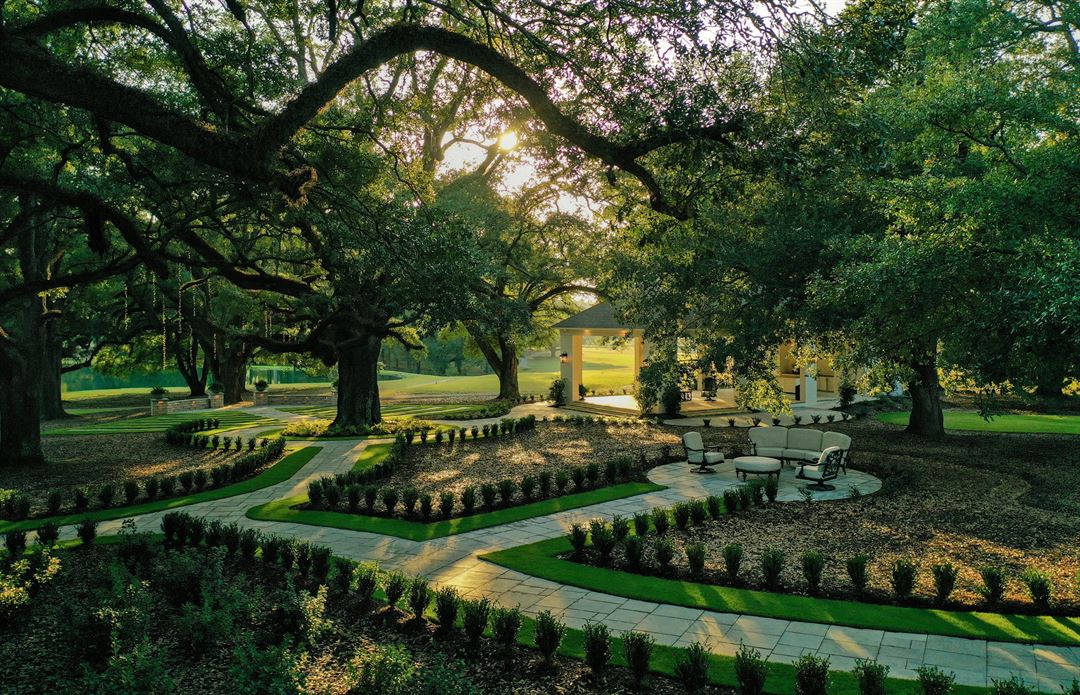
(285, 468)
(229, 420)
(282, 510)
(394, 410)
(541, 560)
(1033, 423)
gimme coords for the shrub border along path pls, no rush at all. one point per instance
(282, 470)
(541, 560)
(282, 510)
(780, 678)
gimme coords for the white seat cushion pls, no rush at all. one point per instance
(835, 439)
(713, 457)
(771, 437)
(769, 451)
(811, 472)
(802, 455)
(809, 440)
(825, 454)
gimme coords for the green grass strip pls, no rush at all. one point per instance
(229, 420)
(279, 472)
(1030, 423)
(540, 560)
(282, 510)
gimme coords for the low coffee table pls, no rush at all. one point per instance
(758, 465)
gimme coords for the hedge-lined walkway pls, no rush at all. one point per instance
(454, 560)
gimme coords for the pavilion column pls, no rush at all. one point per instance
(809, 389)
(570, 367)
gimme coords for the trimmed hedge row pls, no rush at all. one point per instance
(17, 507)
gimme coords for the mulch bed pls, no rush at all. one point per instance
(92, 461)
(552, 446)
(973, 499)
(46, 651)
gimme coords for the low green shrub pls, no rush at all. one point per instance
(994, 583)
(692, 668)
(870, 676)
(409, 498)
(715, 506)
(695, 557)
(474, 618)
(544, 483)
(505, 624)
(549, 634)
(86, 531)
(507, 488)
(750, 671)
(47, 534)
(562, 479)
(813, 564)
(638, 648)
(902, 578)
(419, 597)
(641, 523)
(664, 549)
(944, 581)
(661, 521)
(488, 493)
(579, 538)
(934, 681)
(731, 500)
(528, 487)
(395, 587)
(772, 488)
(426, 506)
(603, 539)
(390, 499)
(447, 604)
(597, 647)
(1013, 686)
(577, 474)
(366, 577)
(15, 542)
(772, 565)
(633, 551)
(620, 527)
(857, 571)
(733, 554)
(1039, 587)
(811, 675)
(681, 512)
(446, 504)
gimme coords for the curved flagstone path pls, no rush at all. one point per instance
(453, 561)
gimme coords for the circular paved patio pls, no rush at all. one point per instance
(681, 476)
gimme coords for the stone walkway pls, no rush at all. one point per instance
(453, 561)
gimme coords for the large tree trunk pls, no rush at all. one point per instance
(20, 418)
(52, 404)
(231, 369)
(508, 371)
(358, 381)
(187, 363)
(926, 418)
(502, 360)
(1050, 378)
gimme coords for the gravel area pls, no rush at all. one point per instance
(972, 499)
(90, 462)
(552, 446)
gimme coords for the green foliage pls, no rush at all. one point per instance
(597, 646)
(638, 649)
(692, 668)
(934, 681)
(811, 675)
(772, 565)
(549, 635)
(944, 580)
(870, 675)
(813, 564)
(994, 582)
(857, 571)
(750, 671)
(902, 578)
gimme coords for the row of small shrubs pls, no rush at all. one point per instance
(190, 426)
(213, 442)
(341, 492)
(108, 495)
(812, 677)
(593, 419)
(504, 427)
(496, 409)
(608, 539)
(46, 537)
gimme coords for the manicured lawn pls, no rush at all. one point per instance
(279, 472)
(282, 510)
(540, 560)
(393, 410)
(229, 420)
(1027, 423)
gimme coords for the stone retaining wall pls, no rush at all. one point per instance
(161, 406)
(266, 398)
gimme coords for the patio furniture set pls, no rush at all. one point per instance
(819, 455)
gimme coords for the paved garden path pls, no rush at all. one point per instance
(453, 561)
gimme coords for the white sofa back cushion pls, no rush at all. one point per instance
(808, 440)
(769, 437)
(838, 439)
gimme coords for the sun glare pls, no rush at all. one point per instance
(508, 141)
